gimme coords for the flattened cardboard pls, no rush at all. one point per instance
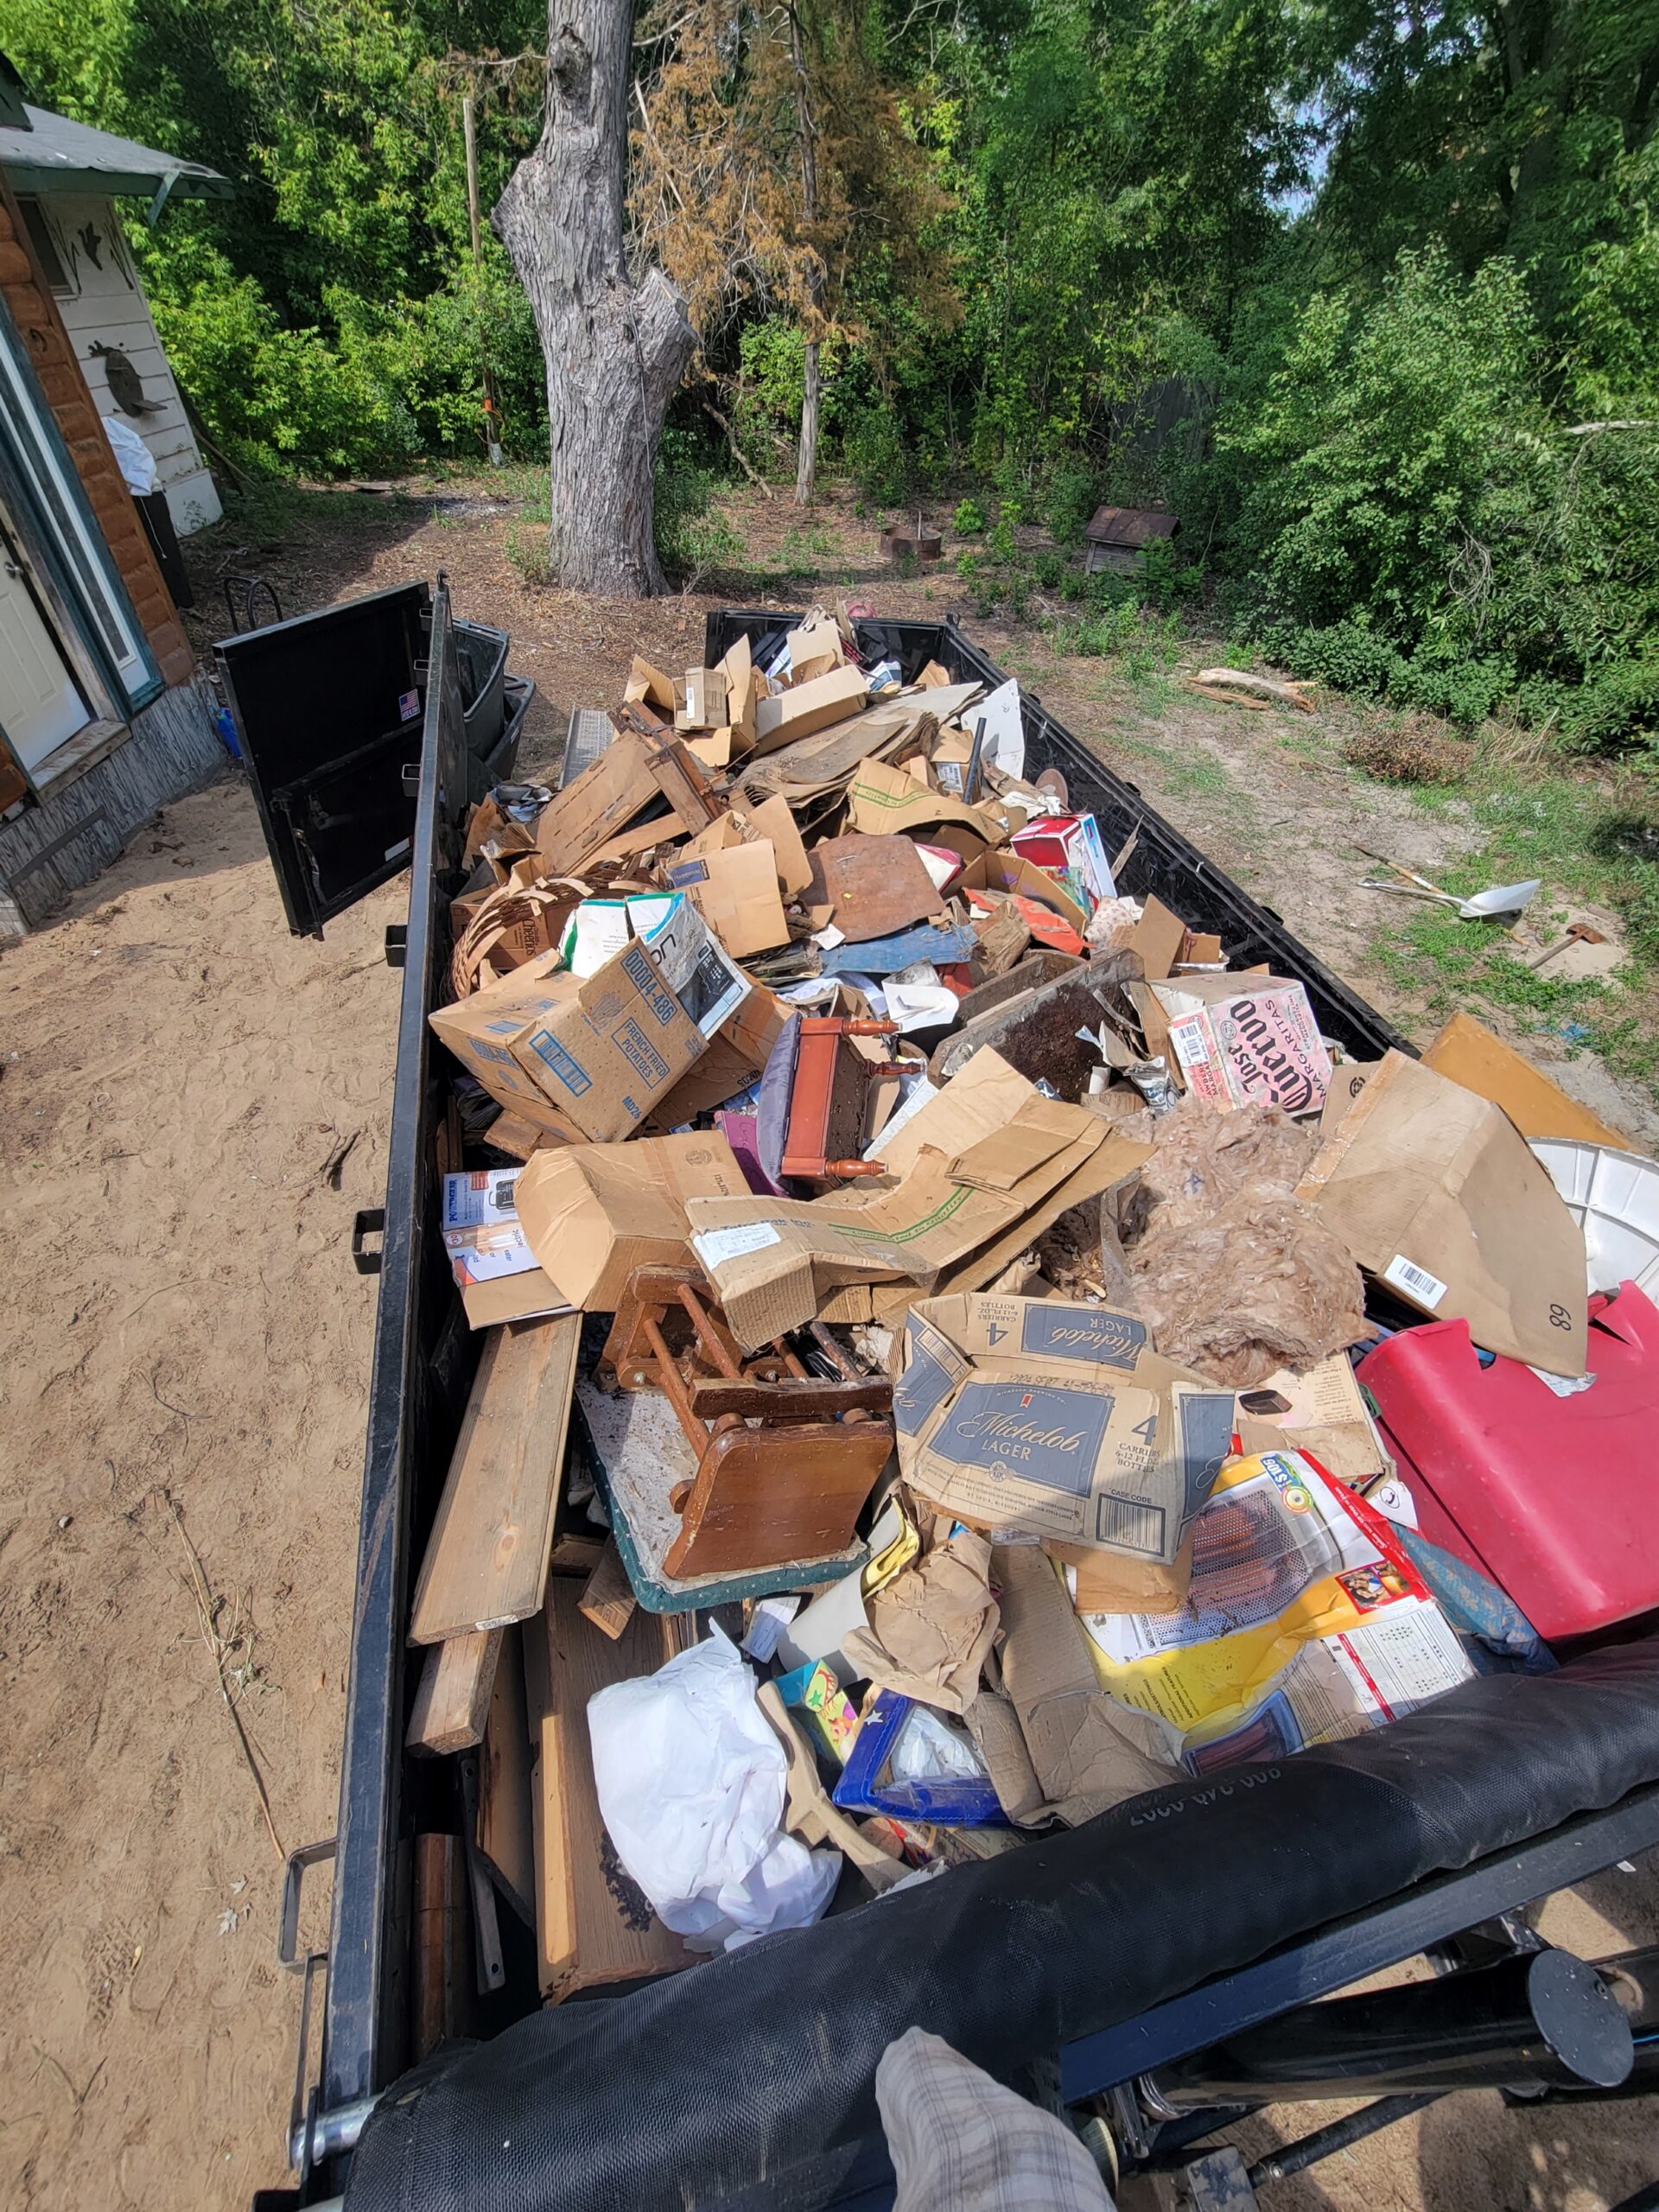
(588, 813)
(981, 1098)
(1323, 1415)
(1109, 1166)
(736, 894)
(596, 1212)
(808, 707)
(1471, 1055)
(1433, 1190)
(714, 749)
(606, 1048)
(1088, 1751)
(1058, 1419)
(774, 821)
(1040, 1128)
(775, 1263)
(1347, 1081)
(1110, 1582)
(883, 801)
(1158, 937)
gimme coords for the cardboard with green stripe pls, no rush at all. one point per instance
(777, 1264)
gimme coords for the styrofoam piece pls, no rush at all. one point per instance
(1614, 1198)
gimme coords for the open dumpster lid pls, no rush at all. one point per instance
(327, 709)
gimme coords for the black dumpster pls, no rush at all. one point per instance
(1145, 1936)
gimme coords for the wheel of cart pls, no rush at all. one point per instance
(1156, 1973)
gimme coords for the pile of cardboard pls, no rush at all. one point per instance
(1088, 1216)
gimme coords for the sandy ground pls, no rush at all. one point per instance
(192, 1105)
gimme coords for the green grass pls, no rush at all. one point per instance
(1586, 840)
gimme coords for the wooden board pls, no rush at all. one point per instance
(505, 1830)
(452, 1700)
(875, 887)
(486, 1564)
(594, 1926)
(607, 1598)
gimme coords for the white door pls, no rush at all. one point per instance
(40, 706)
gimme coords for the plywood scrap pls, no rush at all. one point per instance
(608, 1598)
(485, 1562)
(593, 1925)
(505, 1835)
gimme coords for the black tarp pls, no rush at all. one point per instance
(748, 2081)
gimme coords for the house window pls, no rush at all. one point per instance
(46, 246)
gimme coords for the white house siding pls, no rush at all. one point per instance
(105, 305)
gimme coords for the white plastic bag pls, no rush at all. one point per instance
(137, 463)
(690, 1784)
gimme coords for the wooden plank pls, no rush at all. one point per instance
(594, 1926)
(453, 1701)
(607, 1598)
(486, 1564)
(505, 1831)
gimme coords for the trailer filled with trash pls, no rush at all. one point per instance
(975, 1470)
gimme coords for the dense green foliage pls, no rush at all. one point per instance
(1368, 296)
(327, 319)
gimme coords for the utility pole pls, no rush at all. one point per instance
(492, 421)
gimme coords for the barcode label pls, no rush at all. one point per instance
(1414, 1282)
(1129, 1525)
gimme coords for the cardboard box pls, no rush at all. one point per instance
(737, 1052)
(1471, 1055)
(1006, 873)
(591, 1213)
(1056, 843)
(808, 707)
(705, 700)
(1434, 1191)
(491, 1257)
(480, 1030)
(604, 799)
(606, 1048)
(1241, 1045)
(1057, 1419)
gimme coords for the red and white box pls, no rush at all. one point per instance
(1059, 841)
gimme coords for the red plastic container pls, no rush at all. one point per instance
(1556, 1498)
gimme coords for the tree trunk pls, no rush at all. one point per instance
(614, 349)
(806, 465)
